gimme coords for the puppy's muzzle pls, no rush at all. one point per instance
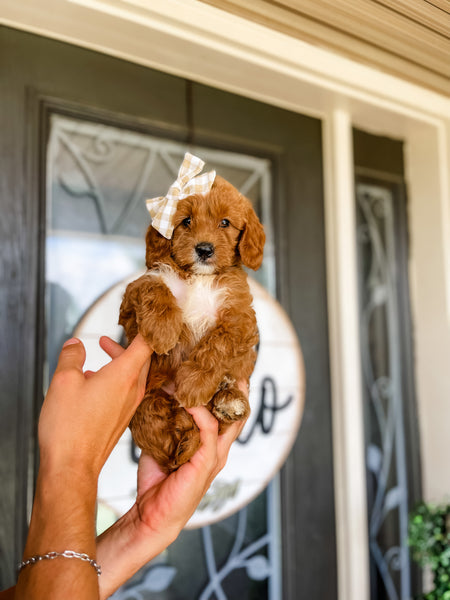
(204, 250)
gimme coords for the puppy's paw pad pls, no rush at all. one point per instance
(232, 409)
(229, 407)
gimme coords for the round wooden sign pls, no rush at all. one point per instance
(277, 390)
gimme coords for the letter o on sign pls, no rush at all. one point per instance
(277, 390)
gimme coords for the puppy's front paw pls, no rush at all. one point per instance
(161, 336)
(193, 386)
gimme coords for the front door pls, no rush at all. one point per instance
(89, 137)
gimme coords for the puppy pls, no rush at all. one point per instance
(194, 308)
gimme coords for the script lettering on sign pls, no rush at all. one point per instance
(267, 411)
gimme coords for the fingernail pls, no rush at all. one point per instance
(71, 341)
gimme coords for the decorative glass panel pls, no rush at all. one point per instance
(98, 178)
(386, 465)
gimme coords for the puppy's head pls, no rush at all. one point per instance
(216, 231)
(211, 232)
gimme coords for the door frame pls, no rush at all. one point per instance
(43, 80)
(251, 60)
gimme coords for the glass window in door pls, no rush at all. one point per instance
(98, 178)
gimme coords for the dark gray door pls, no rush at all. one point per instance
(43, 79)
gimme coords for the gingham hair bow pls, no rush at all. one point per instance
(162, 209)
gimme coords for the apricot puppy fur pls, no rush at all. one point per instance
(194, 308)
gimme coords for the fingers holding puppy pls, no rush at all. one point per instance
(216, 437)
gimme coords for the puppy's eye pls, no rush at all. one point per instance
(186, 222)
(224, 223)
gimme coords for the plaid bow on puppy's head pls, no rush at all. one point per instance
(188, 182)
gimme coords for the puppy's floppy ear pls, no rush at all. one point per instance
(157, 248)
(251, 244)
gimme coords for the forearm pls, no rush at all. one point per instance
(126, 547)
(63, 518)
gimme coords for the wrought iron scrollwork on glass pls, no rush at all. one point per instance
(381, 365)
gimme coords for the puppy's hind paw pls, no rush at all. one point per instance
(230, 405)
(187, 445)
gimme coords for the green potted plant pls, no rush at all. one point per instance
(429, 539)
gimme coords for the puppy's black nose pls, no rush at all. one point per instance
(204, 250)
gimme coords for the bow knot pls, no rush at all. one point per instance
(188, 182)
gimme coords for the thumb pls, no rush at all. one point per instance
(72, 356)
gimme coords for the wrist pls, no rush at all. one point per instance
(63, 519)
(136, 539)
(59, 467)
(126, 547)
(66, 486)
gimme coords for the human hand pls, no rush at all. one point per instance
(82, 418)
(166, 502)
(163, 505)
(84, 414)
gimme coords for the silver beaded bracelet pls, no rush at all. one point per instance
(66, 554)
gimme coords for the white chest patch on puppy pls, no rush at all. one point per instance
(199, 298)
(202, 301)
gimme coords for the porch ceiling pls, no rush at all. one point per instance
(407, 38)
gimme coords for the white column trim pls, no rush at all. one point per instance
(346, 384)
